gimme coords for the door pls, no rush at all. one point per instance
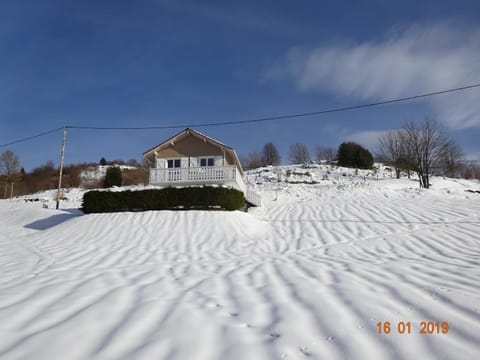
(174, 172)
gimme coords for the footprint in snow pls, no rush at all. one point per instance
(275, 335)
(304, 351)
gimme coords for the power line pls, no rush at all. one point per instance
(31, 137)
(283, 116)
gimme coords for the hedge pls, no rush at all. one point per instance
(164, 199)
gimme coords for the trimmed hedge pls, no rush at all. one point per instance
(165, 199)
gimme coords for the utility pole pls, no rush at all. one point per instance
(61, 165)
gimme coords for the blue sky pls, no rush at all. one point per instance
(166, 62)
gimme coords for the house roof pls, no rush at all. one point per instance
(190, 132)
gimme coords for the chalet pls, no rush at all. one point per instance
(191, 158)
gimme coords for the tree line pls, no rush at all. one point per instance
(298, 154)
(349, 154)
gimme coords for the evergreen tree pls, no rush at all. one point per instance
(113, 177)
(353, 155)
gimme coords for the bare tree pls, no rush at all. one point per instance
(9, 164)
(421, 147)
(425, 144)
(451, 158)
(270, 155)
(471, 171)
(325, 153)
(299, 154)
(133, 162)
(148, 162)
(9, 169)
(252, 161)
(392, 149)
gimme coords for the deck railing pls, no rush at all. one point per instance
(204, 175)
(193, 175)
(253, 197)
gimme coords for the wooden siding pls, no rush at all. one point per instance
(192, 144)
(189, 147)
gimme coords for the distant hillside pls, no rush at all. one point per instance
(85, 175)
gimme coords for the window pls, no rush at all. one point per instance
(207, 162)
(173, 163)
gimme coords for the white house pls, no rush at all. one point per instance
(192, 158)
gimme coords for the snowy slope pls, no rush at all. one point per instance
(94, 174)
(308, 275)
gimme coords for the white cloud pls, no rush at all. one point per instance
(417, 60)
(366, 138)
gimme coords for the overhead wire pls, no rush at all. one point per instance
(248, 121)
(237, 122)
(31, 137)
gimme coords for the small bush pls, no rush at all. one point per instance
(113, 177)
(164, 199)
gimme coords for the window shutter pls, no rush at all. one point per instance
(161, 164)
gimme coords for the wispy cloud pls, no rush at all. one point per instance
(419, 59)
(368, 138)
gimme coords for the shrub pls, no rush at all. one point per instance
(353, 155)
(113, 177)
(164, 199)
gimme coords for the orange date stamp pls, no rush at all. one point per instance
(405, 327)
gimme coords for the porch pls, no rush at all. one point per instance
(227, 175)
(193, 175)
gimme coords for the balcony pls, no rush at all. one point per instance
(193, 175)
(209, 175)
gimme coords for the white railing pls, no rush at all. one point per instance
(204, 175)
(253, 197)
(239, 180)
(193, 175)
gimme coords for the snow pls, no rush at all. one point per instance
(93, 174)
(307, 275)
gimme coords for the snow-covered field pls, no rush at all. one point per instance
(309, 275)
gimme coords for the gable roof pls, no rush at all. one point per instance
(190, 132)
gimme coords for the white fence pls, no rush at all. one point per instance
(253, 197)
